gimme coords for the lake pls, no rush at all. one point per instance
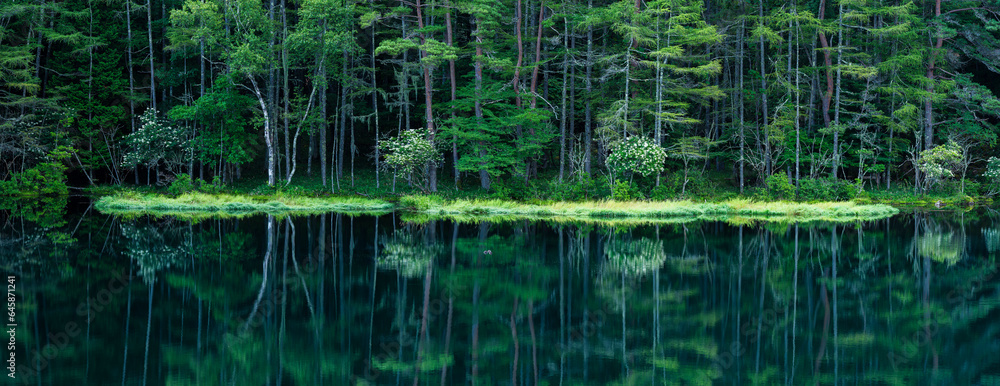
(394, 299)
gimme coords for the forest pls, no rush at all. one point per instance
(555, 99)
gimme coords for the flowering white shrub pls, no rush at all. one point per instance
(940, 163)
(410, 153)
(992, 176)
(156, 141)
(637, 155)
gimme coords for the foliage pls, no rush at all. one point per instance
(156, 142)
(46, 178)
(636, 155)
(410, 154)
(509, 188)
(181, 185)
(224, 124)
(420, 202)
(253, 90)
(779, 187)
(940, 163)
(992, 176)
(625, 191)
(579, 189)
(213, 187)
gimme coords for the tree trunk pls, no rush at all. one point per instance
(534, 81)
(152, 69)
(587, 126)
(928, 102)
(836, 113)
(449, 39)
(321, 146)
(345, 109)
(428, 95)
(798, 142)
(484, 176)
(562, 121)
(516, 83)
(378, 155)
(287, 91)
(828, 95)
(268, 136)
(131, 75)
(740, 102)
(763, 93)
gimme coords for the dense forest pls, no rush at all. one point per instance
(646, 98)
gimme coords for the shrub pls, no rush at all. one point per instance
(662, 192)
(508, 189)
(46, 178)
(420, 202)
(940, 163)
(156, 141)
(263, 190)
(410, 153)
(972, 188)
(779, 187)
(577, 190)
(845, 190)
(181, 185)
(625, 191)
(211, 188)
(636, 155)
(991, 183)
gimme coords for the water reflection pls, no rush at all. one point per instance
(335, 299)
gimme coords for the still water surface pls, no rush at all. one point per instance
(337, 299)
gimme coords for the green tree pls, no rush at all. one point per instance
(157, 142)
(940, 163)
(410, 154)
(636, 155)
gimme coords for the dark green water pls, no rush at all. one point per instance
(337, 300)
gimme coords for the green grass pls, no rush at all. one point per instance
(233, 204)
(429, 206)
(604, 210)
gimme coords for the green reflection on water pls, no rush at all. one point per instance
(335, 299)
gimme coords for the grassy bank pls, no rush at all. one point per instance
(283, 203)
(710, 187)
(233, 204)
(598, 210)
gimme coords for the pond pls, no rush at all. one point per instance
(395, 299)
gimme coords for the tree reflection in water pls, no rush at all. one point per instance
(334, 299)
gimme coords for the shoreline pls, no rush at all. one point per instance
(204, 204)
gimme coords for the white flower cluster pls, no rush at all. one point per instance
(940, 163)
(638, 155)
(992, 176)
(409, 152)
(153, 141)
(992, 173)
